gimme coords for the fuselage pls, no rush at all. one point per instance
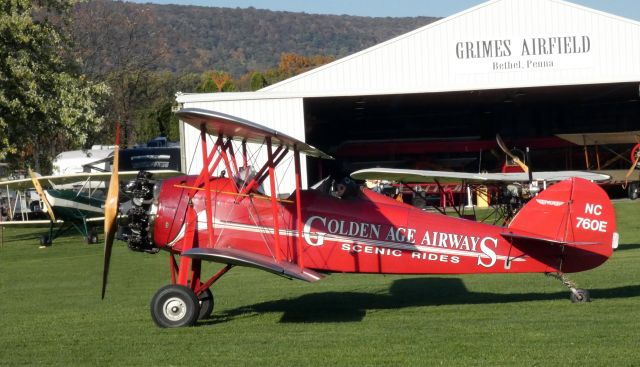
(368, 234)
(71, 205)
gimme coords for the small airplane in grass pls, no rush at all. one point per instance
(225, 218)
(73, 201)
(614, 153)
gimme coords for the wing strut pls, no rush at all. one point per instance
(299, 257)
(274, 202)
(43, 197)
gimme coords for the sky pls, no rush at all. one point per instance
(390, 8)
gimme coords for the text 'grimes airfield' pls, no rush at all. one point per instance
(525, 47)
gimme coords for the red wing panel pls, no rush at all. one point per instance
(244, 258)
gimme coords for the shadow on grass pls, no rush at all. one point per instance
(630, 246)
(352, 306)
(9, 237)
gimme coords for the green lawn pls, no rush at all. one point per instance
(51, 314)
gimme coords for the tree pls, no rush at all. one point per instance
(123, 58)
(258, 81)
(155, 117)
(216, 81)
(44, 104)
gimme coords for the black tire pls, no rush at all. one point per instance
(45, 240)
(175, 306)
(92, 238)
(633, 190)
(581, 296)
(35, 207)
(206, 304)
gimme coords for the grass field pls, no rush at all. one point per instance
(51, 314)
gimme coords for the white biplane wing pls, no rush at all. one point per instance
(425, 176)
(625, 137)
(217, 123)
(78, 178)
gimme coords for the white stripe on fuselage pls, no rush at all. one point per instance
(328, 237)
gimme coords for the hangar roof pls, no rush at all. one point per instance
(497, 44)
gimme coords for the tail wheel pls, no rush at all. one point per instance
(633, 190)
(206, 304)
(580, 296)
(175, 306)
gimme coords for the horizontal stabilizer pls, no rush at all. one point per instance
(513, 236)
(243, 258)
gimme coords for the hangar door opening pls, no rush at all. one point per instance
(457, 130)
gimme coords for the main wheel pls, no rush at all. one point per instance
(206, 304)
(175, 306)
(581, 295)
(45, 241)
(92, 238)
(633, 190)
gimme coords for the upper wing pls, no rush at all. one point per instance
(240, 129)
(21, 184)
(625, 137)
(26, 183)
(425, 176)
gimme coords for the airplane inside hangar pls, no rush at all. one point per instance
(457, 130)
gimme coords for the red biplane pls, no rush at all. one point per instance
(226, 218)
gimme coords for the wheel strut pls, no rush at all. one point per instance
(577, 294)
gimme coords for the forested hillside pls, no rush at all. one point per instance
(194, 39)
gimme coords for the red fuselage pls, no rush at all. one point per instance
(375, 234)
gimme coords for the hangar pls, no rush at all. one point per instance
(436, 97)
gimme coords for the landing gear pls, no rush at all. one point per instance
(175, 306)
(633, 190)
(45, 241)
(577, 295)
(206, 304)
(580, 295)
(92, 238)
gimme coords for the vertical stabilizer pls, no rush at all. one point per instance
(575, 214)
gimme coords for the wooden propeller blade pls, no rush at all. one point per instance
(43, 197)
(508, 152)
(111, 212)
(632, 168)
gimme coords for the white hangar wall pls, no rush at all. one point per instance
(282, 114)
(498, 44)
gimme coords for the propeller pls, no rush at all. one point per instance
(635, 156)
(111, 211)
(43, 197)
(508, 152)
